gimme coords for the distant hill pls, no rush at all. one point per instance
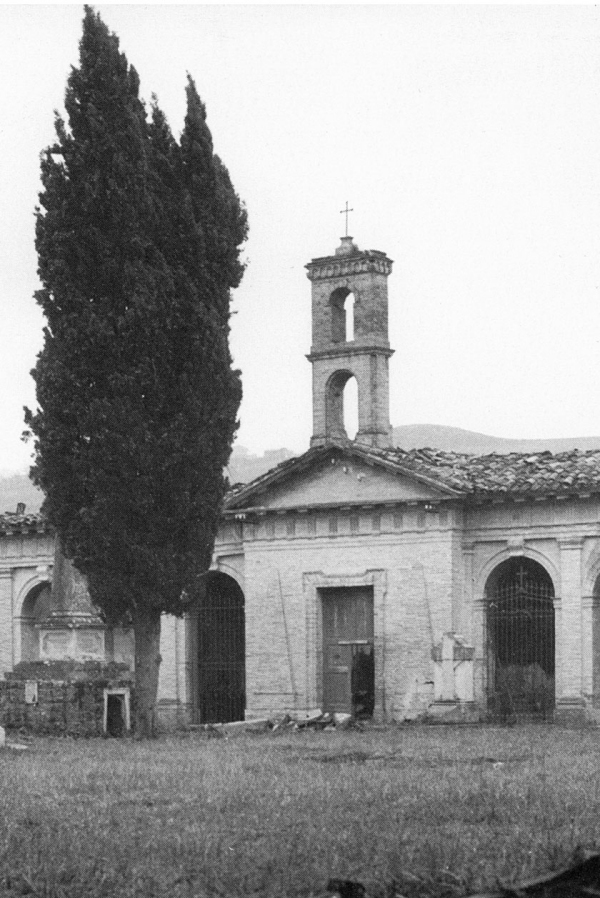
(244, 466)
(455, 439)
(15, 488)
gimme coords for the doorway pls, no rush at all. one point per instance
(117, 703)
(348, 651)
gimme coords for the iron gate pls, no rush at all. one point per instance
(520, 642)
(221, 652)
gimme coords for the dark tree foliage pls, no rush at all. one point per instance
(138, 240)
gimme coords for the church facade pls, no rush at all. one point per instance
(363, 578)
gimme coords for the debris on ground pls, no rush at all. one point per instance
(277, 722)
(222, 730)
(314, 720)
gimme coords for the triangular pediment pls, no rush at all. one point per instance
(335, 476)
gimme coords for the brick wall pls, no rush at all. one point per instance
(413, 604)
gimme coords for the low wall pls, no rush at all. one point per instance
(59, 698)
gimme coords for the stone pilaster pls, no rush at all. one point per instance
(462, 614)
(569, 637)
(588, 604)
(7, 658)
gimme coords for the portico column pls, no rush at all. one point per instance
(462, 619)
(7, 659)
(587, 646)
(569, 680)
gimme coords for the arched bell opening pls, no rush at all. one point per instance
(520, 641)
(221, 647)
(342, 406)
(342, 315)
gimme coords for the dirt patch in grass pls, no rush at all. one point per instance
(407, 811)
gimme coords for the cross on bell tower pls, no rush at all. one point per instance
(346, 212)
(335, 358)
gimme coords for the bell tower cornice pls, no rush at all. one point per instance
(358, 349)
(349, 263)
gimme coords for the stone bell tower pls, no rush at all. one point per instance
(335, 358)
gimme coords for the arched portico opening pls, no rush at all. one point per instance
(520, 640)
(221, 651)
(35, 609)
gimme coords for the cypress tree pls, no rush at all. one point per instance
(138, 239)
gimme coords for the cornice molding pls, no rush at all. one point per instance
(335, 266)
(337, 350)
(571, 543)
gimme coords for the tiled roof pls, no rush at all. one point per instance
(11, 522)
(541, 474)
(523, 474)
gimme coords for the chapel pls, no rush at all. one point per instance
(360, 577)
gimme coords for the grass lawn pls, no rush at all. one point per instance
(408, 811)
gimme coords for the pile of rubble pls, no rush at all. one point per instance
(277, 723)
(315, 720)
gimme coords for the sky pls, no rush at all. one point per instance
(465, 138)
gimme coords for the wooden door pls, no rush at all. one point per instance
(348, 659)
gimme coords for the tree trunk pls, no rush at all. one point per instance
(146, 629)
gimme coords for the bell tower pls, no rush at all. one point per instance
(337, 355)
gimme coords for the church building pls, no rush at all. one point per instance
(364, 578)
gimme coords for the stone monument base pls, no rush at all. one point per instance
(64, 698)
